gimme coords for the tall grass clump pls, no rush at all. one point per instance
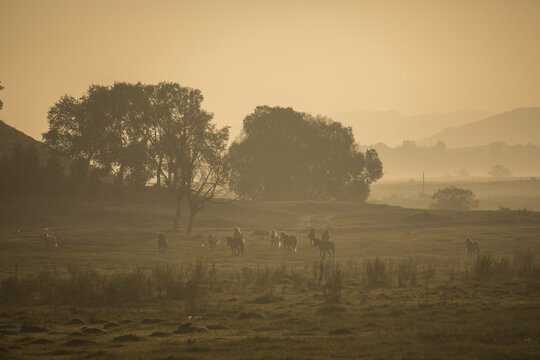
(378, 273)
(333, 283)
(524, 265)
(406, 273)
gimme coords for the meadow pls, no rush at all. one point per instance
(401, 286)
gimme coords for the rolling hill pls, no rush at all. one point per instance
(9, 137)
(519, 126)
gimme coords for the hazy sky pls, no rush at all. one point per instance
(316, 56)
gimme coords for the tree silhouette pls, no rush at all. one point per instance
(284, 154)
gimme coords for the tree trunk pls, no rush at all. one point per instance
(158, 172)
(191, 221)
(176, 225)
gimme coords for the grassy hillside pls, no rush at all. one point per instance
(9, 137)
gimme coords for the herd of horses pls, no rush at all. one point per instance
(277, 240)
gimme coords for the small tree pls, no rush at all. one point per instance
(500, 171)
(453, 198)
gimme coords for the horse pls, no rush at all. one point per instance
(274, 239)
(288, 242)
(312, 237)
(236, 244)
(161, 243)
(325, 247)
(473, 248)
(213, 240)
(238, 234)
(51, 241)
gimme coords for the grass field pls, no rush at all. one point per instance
(401, 285)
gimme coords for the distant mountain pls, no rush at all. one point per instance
(519, 126)
(392, 128)
(9, 137)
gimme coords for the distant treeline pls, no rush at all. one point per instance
(408, 159)
(137, 132)
(21, 175)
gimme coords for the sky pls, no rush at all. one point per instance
(320, 57)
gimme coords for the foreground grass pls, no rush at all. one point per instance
(266, 304)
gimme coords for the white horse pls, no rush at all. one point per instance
(274, 239)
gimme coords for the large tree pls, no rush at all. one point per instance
(78, 127)
(285, 154)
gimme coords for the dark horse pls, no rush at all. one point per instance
(325, 245)
(236, 244)
(288, 242)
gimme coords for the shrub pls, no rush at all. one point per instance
(377, 273)
(406, 273)
(453, 198)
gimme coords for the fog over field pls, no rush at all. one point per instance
(270, 179)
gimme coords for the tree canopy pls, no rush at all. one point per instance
(285, 154)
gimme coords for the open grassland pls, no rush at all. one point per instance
(493, 194)
(401, 285)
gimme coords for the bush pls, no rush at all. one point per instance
(453, 198)
(406, 273)
(378, 273)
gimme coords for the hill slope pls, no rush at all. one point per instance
(391, 128)
(9, 137)
(519, 126)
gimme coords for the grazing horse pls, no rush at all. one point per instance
(288, 242)
(51, 241)
(236, 244)
(274, 239)
(312, 237)
(325, 247)
(161, 244)
(213, 240)
(473, 248)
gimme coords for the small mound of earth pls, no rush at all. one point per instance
(75, 322)
(265, 300)
(126, 338)
(110, 325)
(216, 327)
(188, 327)
(331, 309)
(160, 334)
(152, 321)
(75, 333)
(92, 331)
(340, 332)
(421, 217)
(7, 332)
(79, 342)
(124, 322)
(42, 341)
(8, 326)
(250, 315)
(26, 328)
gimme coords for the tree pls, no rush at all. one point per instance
(185, 147)
(453, 198)
(500, 171)
(77, 128)
(285, 154)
